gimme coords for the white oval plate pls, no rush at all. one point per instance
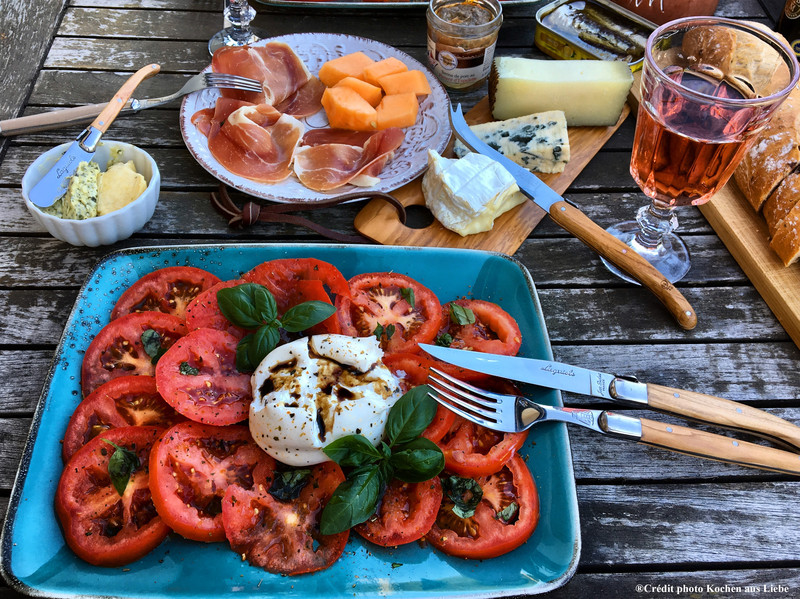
(432, 129)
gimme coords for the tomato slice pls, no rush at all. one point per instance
(405, 514)
(296, 280)
(117, 350)
(197, 376)
(382, 302)
(283, 537)
(101, 526)
(193, 464)
(473, 450)
(124, 401)
(167, 290)
(494, 331)
(203, 311)
(503, 520)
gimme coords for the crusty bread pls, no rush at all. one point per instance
(782, 201)
(771, 157)
(786, 239)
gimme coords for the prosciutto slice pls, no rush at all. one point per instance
(325, 166)
(275, 64)
(254, 141)
(305, 101)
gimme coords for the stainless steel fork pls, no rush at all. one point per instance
(85, 114)
(516, 413)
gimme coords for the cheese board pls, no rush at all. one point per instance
(379, 222)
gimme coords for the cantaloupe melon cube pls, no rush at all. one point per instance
(398, 110)
(371, 93)
(388, 66)
(349, 65)
(348, 110)
(408, 81)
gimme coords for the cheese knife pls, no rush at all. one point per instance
(54, 184)
(581, 226)
(627, 390)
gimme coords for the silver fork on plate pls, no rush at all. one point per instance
(85, 114)
(517, 413)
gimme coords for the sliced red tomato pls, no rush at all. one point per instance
(473, 450)
(494, 331)
(283, 537)
(124, 401)
(101, 526)
(405, 514)
(504, 519)
(118, 349)
(193, 464)
(197, 376)
(296, 280)
(401, 312)
(203, 311)
(167, 290)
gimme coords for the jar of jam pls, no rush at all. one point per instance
(462, 35)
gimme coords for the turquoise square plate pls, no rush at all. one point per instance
(35, 559)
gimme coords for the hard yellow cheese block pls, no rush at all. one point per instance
(590, 92)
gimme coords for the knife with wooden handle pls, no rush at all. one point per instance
(581, 226)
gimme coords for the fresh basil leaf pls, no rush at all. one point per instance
(186, 369)
(461, 315)
(507, 512)
(287, 485)
(306, 315)
(248, 305)
(151, 341)
(378, 332)
(122, 463)
(410, 416)
(465, 493)
(353, 501)
(408, 295)
(390, 329)
(444, 340)
(255, 347)
(352, 451)
(417, 461)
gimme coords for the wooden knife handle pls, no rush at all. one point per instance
(44, 121)
(724, 412)
(117, 103)
(717, 447)
(611, 248)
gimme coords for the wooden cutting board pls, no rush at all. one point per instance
(745, 234)
(378, 221)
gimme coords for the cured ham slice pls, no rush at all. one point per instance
(275, 64)
(328, 166)
(254, 141)
(305, 101)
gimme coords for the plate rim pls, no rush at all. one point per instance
(261, 190)
(15, 497)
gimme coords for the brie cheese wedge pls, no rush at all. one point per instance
(467, 195)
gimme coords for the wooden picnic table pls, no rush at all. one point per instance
(651, 521)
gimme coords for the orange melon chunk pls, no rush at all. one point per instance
(407, 81)
(369, 92)
(398, 110)
(349, 65)
(348, 110)
(388, 66)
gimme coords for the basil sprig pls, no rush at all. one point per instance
(122, 463)
(461, 315)
(252, 306)
(152, 344)
(465, 493)
(402, 454)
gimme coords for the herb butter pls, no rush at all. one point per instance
(80, 201)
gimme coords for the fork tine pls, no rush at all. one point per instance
(481, 393)
(466, 401)
(440, 398)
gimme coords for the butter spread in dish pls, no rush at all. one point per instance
(467, 195)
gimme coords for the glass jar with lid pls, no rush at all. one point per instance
(462, 35)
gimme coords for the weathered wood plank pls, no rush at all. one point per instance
(27, 370)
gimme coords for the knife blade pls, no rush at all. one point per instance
(581, 226)
(54, 183)
(627, 390)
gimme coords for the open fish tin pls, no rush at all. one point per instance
(591, 30)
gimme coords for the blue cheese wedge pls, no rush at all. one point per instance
(466, 195)
(80, 201)
(539, 142)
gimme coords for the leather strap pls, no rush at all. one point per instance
(252, 213)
